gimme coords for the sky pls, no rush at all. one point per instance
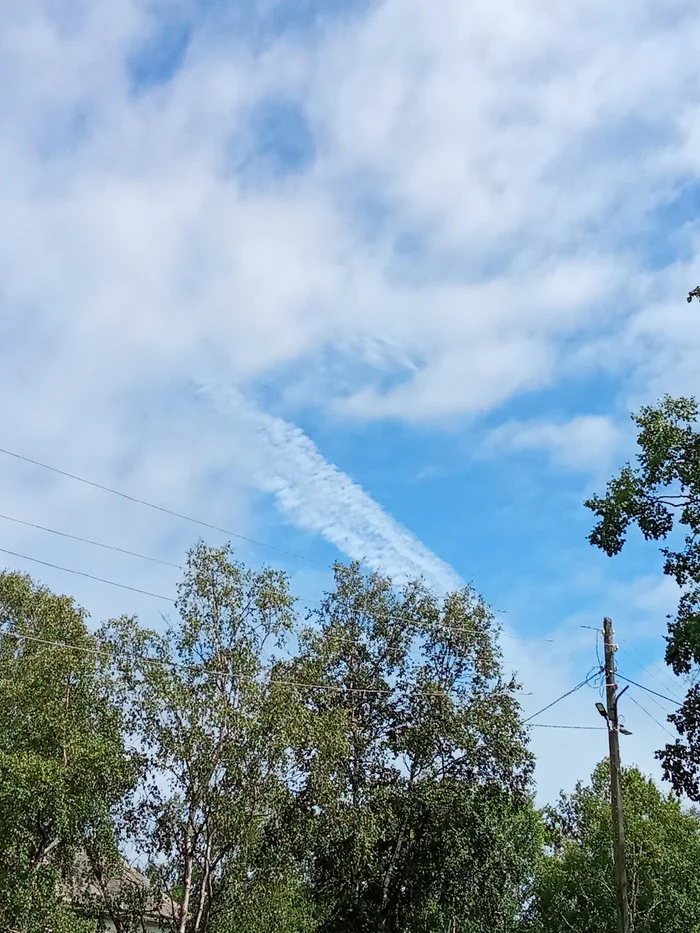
(371, 280)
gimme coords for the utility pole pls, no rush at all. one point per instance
(618, 823)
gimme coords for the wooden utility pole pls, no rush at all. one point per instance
(618, 823)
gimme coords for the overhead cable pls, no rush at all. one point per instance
(564, 695)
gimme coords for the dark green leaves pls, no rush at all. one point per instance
(573, 884)
(660, 495)
(63, 766)
(411, 809)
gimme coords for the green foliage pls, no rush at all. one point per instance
(274, 899)
(63, 767)
(380, 780)
(661, 495)
(573, 887)
(208, 731)
(411, 807)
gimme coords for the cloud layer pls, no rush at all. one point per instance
(410, 212)
(474, 181)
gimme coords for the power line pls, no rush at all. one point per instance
(98, 651)
(649, 690)
(563, 696)
(653, 699)
(663, 709)
(149, 505)
(159, 508)
(653, 718)
(456, 630)
(543, 725)
(133, 589)
(649, 671)
(109, 547)
(451, 628)
(668, 683)
(81, 649)
(89, 576)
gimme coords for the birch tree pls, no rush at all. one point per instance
(204, 719)
(412, 806)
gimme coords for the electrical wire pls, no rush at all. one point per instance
(109, 547)
(156, 560)
(648, 690)
(592, 628)
(648, 671)
(99, 651)
(89, 576)
(546, 725)
(81, 649)
(159, 508)
(653, 699)
(134, 589)
(278, 681)
(653, 718)
(226, 531)
(563, 696)
(451, 628)
(663, 709)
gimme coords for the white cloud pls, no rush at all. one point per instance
(465, 235)
(521, 145)
(588, 442)
(504, 134)
(315, 495)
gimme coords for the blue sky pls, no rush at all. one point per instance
(379, 280)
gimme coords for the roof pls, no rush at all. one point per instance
(127, 880)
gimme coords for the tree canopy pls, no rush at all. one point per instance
(64, 767)
(208, 731)
(413, 783)
(660, 495)
(364, 769)
(573, 887)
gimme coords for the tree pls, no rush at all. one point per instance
(275, 898)
(573, 884)
(208, 726)
(660, 495)
(411, 806)
(63, 766)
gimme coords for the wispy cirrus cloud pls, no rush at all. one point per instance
(586, 442)
(316, 496)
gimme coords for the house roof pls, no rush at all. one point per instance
(127, 881)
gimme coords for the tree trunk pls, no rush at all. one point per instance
(203, 891)
(187, 884)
